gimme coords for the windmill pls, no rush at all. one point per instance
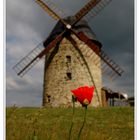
(73, 56)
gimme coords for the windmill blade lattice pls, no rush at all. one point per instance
(25, 64)
(56, 9)
(102, 54)
(51, 9)
(98, 8)
(106, 69)
(85, 10)
(78, 16)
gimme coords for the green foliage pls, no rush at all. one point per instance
(54, 123)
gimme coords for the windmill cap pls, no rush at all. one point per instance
(81, 26)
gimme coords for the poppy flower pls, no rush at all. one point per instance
(83, 94)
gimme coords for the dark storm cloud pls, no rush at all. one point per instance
(27, 25)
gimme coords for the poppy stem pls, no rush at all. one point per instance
(83, 123)
(73, 101)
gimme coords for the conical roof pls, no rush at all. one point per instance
(81, 26)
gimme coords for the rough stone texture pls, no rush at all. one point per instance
(58, 85)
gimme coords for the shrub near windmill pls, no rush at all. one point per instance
(73, 57)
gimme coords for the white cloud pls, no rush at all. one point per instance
(11, 83)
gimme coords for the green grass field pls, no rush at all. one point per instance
(53, 123)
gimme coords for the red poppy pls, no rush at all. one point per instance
(83, 94)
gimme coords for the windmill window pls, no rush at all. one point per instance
(49, 100)
(68, 58)
(69, 76)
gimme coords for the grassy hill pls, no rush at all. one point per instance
(53, 123)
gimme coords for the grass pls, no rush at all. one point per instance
(115, 123)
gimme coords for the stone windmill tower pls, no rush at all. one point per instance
(70, 65)
(73, 57)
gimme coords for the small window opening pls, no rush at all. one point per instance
(69, 76)
(68, 58)
(49, 98)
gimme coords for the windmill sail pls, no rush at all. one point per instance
(47, 9)
(25, 64)
(102, 54)
(78, 16)
(98, 8)
(33, 57)
(56, 9)
(51, 9)
(85, 10)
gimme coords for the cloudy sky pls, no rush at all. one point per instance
(27, 25)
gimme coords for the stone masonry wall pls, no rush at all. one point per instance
(68, 71)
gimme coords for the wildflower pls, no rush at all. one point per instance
(83, 95)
